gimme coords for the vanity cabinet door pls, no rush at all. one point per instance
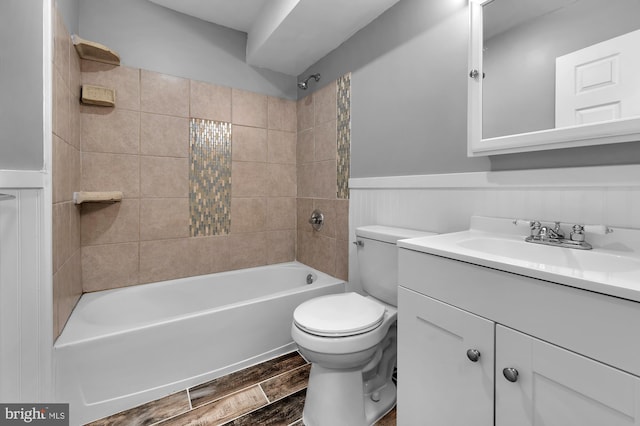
(438, 383)
(558, 387)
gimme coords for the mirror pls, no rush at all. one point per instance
(557, 74)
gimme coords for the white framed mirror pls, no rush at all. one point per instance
(557, 74)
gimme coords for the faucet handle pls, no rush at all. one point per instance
(557, 230)
(577, 233)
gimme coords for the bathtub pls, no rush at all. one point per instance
(124, 347)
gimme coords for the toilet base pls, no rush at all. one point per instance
(335, 398)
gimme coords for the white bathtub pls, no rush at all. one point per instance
(124, 347)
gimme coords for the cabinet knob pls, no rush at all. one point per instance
(473, 355)
(511, 374)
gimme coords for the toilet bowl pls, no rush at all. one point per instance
(350, 339)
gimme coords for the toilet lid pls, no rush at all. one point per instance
(339, 315)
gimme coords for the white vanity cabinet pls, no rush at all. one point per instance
(575, 351)
(559, 387)
(436, 379)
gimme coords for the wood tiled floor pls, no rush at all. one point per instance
(271, 393)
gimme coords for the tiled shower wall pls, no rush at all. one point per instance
(284, 162)
(67, 276)
(323, 177)
(141, 147)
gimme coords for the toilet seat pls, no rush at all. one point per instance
(339, 315)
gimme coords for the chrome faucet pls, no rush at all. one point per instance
(553, 235)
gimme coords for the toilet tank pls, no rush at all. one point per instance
(378, 259)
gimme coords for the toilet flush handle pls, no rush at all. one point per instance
(359, 243)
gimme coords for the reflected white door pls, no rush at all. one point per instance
(600, 82)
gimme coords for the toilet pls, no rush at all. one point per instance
(350, 339)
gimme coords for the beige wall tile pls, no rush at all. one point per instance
(61, 170)
(74, 226)
(61, 46)
(306, 180)
(281, 246)
(248, 179)
(281, 213)
(111, 172)
(75, 180)
(65, 232)
(324, 253)
(304, 248)
(281, 147)
(305, 148)
(304, 209)
(248, 215)
(210, 101)
(162, 218)
(109, 266)
(248, 108)
(111, 130)
(281, 114)
(125, 81)
(342, 259)
(164, 136)
(75, 121)
(282, 180)
(164, 260)
(326, 141)
(305, 113)
(209, 254)
(110, 223)
(75, 75)
(164, 177)
(69, 288)
(324, 185)
(61, 103)
(249, 144)
(325, 102)
(164, 94)
(60, 234)
(247, 250)
(66, 170)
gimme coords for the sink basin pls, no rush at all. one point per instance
(612, 267)
(547, 256)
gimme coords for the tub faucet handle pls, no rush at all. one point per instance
(316, 220)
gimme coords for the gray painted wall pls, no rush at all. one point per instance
(409, 92)
(519, 88)
(21, 85)
(151, 37)
(69, 10)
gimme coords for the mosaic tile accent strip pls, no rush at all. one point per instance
(344, 135)
(209, 177)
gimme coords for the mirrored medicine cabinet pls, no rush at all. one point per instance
(550, 74)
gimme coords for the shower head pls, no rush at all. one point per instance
(304, 84)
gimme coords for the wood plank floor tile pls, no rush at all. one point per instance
(280, 413)
(389, 419)
(148, 413)
(287, 383)
(233, 382)
(222, 410)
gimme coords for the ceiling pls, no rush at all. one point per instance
(500, 16)
(287, 36)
